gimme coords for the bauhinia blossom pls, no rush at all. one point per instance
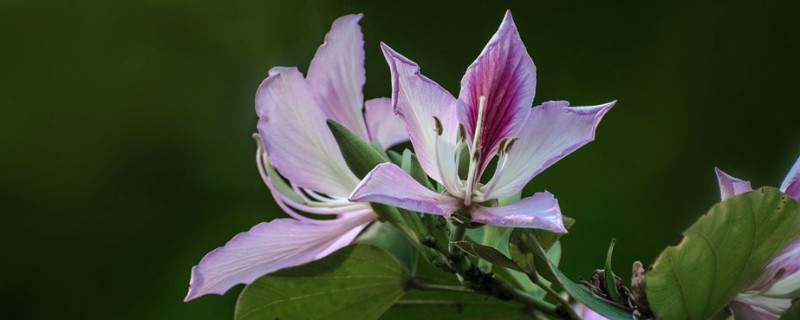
(295, 140)
(491, 117)
(779, 283)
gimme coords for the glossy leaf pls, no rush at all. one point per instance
(357, 282)
(722, 254)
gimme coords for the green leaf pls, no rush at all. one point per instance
(454, 306)
(360, 156)
(410, 164)
(357, 282)
(396, 157)
(721, 254)
(391, 239)
(610, 279)
(418, 304)
(579, 292)
(517, 278)
(583, 295)
(487, 253)
(520, 246)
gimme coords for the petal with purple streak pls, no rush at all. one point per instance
(296, 137)
(730, 186)
(336, 75)
(382, 124)
(505, 75)
(390, 185)
(418, 100)
(539, 211)
(551, 132)
(791, 185)
(271, 246)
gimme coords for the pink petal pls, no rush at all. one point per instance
(539, 211)
(417, 100)
(784, 271)
(296, 136)
(336, 75)
(747, 307)
(390, 185)
(382, 124)
(730, 186)
(271, 246)
(551, 132)
(791, 185)
(505, 74)
(587, 314)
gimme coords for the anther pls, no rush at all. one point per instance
(509, 144)
(437, 125)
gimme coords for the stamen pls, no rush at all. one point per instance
(509, 144)
(437, 124)
(502, 147)
(505, 150)
(476, 154)
(300, 202)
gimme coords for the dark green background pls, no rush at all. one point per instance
(125, 150)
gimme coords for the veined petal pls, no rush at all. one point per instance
(336, 75)
(755, 307)
(296, 137)
(271, 246)
(418, 100)
(390, 185)
(730, 186)
(791, 185)
(551, 132)
(382, 124)
(505, 75)
(539, 211)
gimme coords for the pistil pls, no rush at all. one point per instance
(474, 158)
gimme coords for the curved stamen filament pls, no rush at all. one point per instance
(287, 203)
(505, 149)
(474, 158)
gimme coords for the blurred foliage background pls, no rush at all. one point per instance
(125, 152)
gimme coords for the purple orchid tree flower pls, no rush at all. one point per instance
(295, 140)
(772, 294)
(492, 117)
